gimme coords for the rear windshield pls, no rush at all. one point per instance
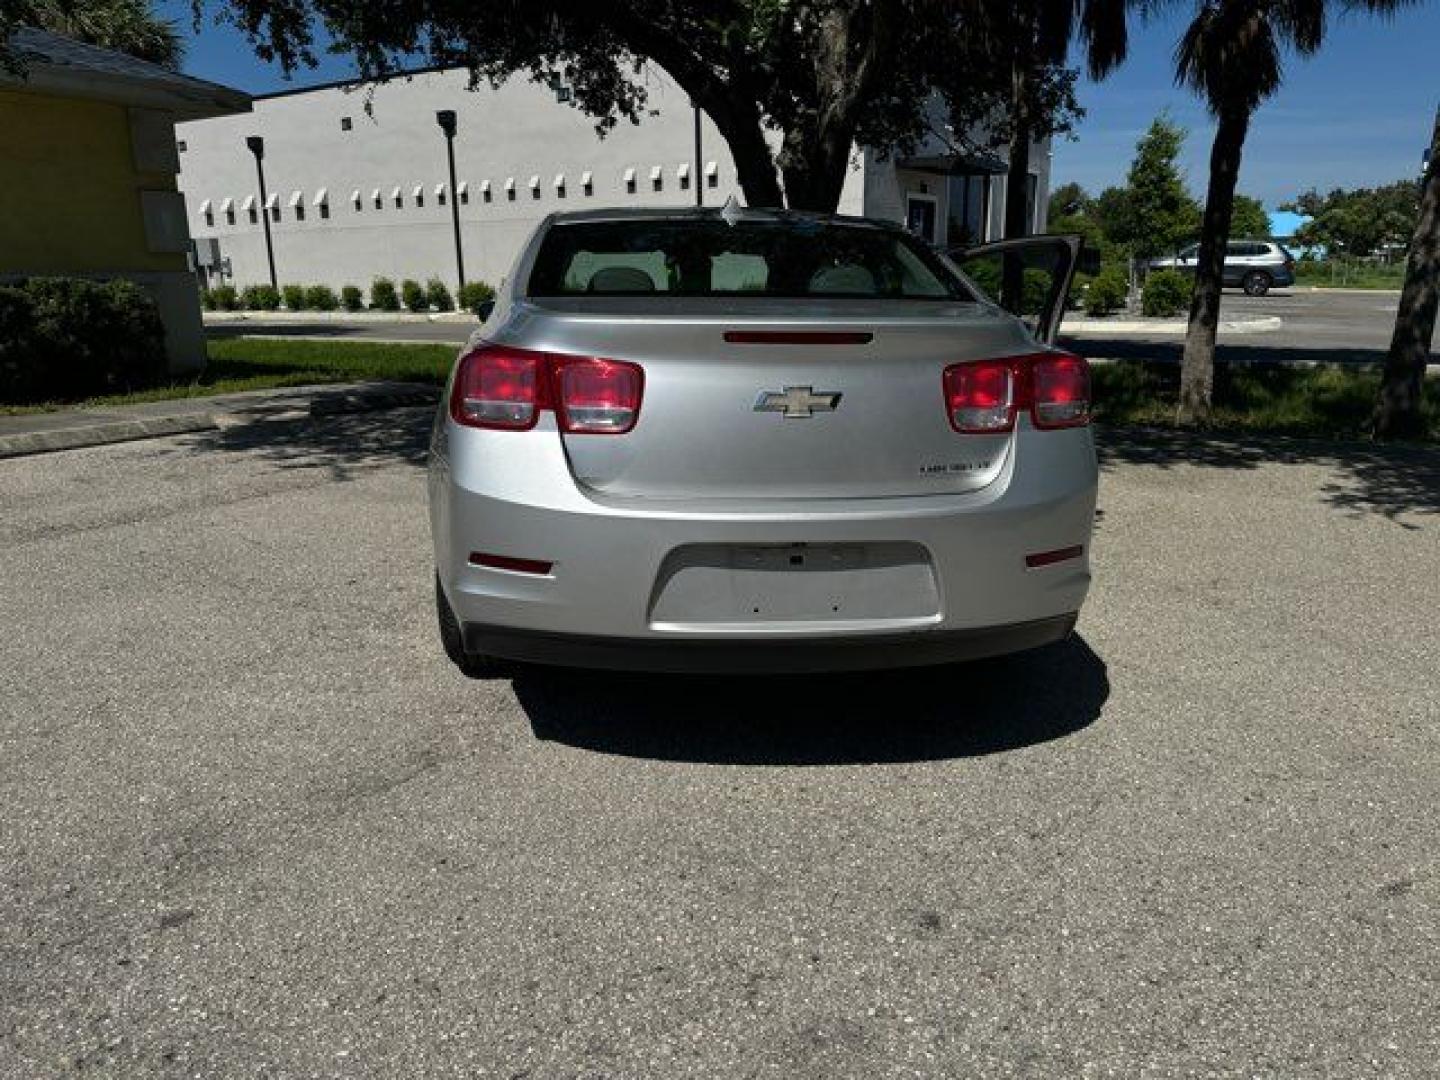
(707, 257)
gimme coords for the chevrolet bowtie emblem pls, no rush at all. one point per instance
(797, 402)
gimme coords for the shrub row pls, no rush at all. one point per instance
(434, 295)
(73, 338)
(1107, 292)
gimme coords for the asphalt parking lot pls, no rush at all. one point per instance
(255, 825)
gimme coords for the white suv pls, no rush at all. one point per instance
(1252, 265)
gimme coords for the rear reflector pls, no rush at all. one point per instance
(798, 337)
(1048, 558)
(507, 389)
(506, 562)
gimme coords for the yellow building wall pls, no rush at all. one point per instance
(70, 190)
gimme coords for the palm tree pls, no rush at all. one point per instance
(1031, 39)
(128, 26)
(1398, 410)
(1230, 55)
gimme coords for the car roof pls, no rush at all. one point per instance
(710, 213)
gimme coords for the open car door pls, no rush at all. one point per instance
(1028, 277)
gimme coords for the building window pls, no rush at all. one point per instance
(462, 192)
(180, 146)
(563, 93)
(510, 188)
(535, 186)
(398, 199)
(346, 124)
(209, 219)
(630, 181)
(657, 179)
(587, 183)
(712, 174)
(377, 199)
(228, 209)
(559, 185)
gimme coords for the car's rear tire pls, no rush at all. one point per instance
(1257, 283)
(471, 665)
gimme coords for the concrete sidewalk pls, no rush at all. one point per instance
(1081, 325)
(39, 433)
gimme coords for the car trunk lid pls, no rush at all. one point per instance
(779, 399)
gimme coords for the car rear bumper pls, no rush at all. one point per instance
(942, 577)
(790, 656)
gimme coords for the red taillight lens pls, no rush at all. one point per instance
(980, 396)
(506, 389)
(598, 396)
(1059, 391)
(500, 388)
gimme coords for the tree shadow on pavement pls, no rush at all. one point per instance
(344, 445)
(919, 714)
(1369, 477)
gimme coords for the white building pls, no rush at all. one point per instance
(358, 184)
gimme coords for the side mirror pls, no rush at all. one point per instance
(484, 310)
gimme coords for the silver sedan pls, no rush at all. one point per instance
(747, 440)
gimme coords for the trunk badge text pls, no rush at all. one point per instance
(797, 402)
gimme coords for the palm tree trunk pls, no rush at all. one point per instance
(1397, 410)
(1197, 370)
(1017, 185)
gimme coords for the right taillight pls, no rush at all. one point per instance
(1059, 391)
(983, 397)
(506, 389)
(980, 396)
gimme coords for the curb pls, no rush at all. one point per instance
(344, 403)
(217, 318)
(348, 404)
(1169, 326)
(114, 431)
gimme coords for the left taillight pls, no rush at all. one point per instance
(507, 389)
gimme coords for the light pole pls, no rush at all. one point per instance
(699, 179)
(257, 147)
(446, 119)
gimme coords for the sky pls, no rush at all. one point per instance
(1358, 114)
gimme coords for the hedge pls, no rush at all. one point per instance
(1108, 292)
(73, 338)
(413, 293)
(475, 293)
(383, 296)
(1166, 293)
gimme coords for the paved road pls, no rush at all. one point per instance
(254, 825)
(1319, 326)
